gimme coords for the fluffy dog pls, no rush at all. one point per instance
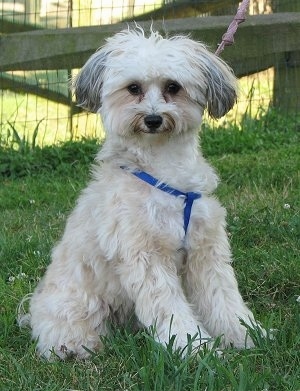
(146, 236)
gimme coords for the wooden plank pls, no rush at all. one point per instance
(261, 36)
(11, 26)
(286, 88)
(286, 6)
(51, 49)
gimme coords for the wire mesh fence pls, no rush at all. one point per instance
(39, 102)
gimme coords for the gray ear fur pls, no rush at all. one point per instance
(222, 87)
(87, 84)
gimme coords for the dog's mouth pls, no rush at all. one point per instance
(153, 131)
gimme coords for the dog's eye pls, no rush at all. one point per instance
(173, 88)
(134, 89)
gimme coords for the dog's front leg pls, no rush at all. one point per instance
(152, 283)
(211, 285)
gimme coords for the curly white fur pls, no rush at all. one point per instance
(124, 249)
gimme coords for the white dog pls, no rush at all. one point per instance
(146, 236)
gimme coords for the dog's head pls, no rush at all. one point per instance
(152, 84)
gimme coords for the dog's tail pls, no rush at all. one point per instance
(23, 315)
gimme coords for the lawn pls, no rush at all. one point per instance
(259, 167)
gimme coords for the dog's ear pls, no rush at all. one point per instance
(87, 85)
(221, 92)
(222, 88)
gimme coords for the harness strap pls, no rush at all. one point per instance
(188, 197)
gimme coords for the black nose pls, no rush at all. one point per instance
(153, 121)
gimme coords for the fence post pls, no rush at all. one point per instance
(286, 90)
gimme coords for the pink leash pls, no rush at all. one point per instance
(228, 37)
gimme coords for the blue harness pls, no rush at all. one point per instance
(188, 197)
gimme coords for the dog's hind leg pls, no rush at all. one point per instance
(66, 322)
(68, 310)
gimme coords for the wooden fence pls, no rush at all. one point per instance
(263, 41)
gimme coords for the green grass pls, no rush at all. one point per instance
(259, 167)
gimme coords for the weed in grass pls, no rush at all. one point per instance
(23, 144)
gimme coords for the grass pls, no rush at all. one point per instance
(260, 189)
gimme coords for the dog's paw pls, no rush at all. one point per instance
(186, 343)
(66, 351)
(246, 336)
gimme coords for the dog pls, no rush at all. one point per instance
(146, 238)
